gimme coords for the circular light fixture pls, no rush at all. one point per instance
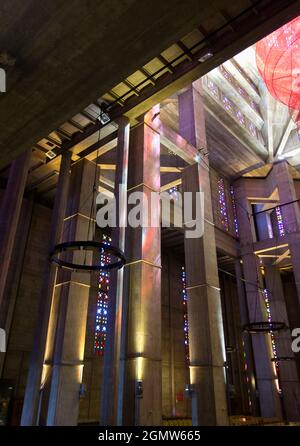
(283, 358)
(264, 327)
(87, 245)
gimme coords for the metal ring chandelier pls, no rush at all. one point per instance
(283, 358)
(264, 327)
(86, 245)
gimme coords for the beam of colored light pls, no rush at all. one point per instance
(102, 303)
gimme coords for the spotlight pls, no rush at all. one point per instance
(205, 57)
(139, 388)
(104, 117)
(50, 154)
(189, 390)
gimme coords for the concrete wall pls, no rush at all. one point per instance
(174, 367)
(27, 293)
(89, 408)
(297, 187)
(236, 377)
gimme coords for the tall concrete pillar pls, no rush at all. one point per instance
(34, 380)
(15, 270)
(265, 376)
(294, 246)
(64, 357)
(111, 394)
(10, 212)
(281, 178)
(141, 355)
(288, 376)
(206, 336)
(249, 370)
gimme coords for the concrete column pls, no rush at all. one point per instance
(288, 376)
(237, 403)
(265, 377)
(247, 344)
(265, 374)
(281, 177)
(142, 399)
(111, 396)
(294, 245)
(291, 216)
(71, 295)
(293, 312)
(10, 212)
(32, 392)
(206, 336)
(172, 372)
(15, 270)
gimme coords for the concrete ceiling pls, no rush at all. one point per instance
(68, 53)
(279, 130)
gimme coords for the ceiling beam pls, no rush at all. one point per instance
(185, 50)
(168, 186)
(290, 126)
(108, 183)
(248, 170)
(163, 169)
(177, 144)
(291, 152)
(282, 257)
(251, 144)
(104, 145)
(170, 169)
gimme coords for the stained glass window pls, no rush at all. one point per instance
(228, 104)
(273, 344)
(240, 116)
(185, 316)
(222, 204)
(247, 376)
(102, 303)
(238, 87)
(236, 226)
(242, 91)
(252, 129)
(280, 221)
(212, 87)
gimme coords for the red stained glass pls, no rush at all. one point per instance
(278, 61)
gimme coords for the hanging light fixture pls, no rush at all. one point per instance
(87, 245)
(283, 359)
(263, 326)
(63, 254)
